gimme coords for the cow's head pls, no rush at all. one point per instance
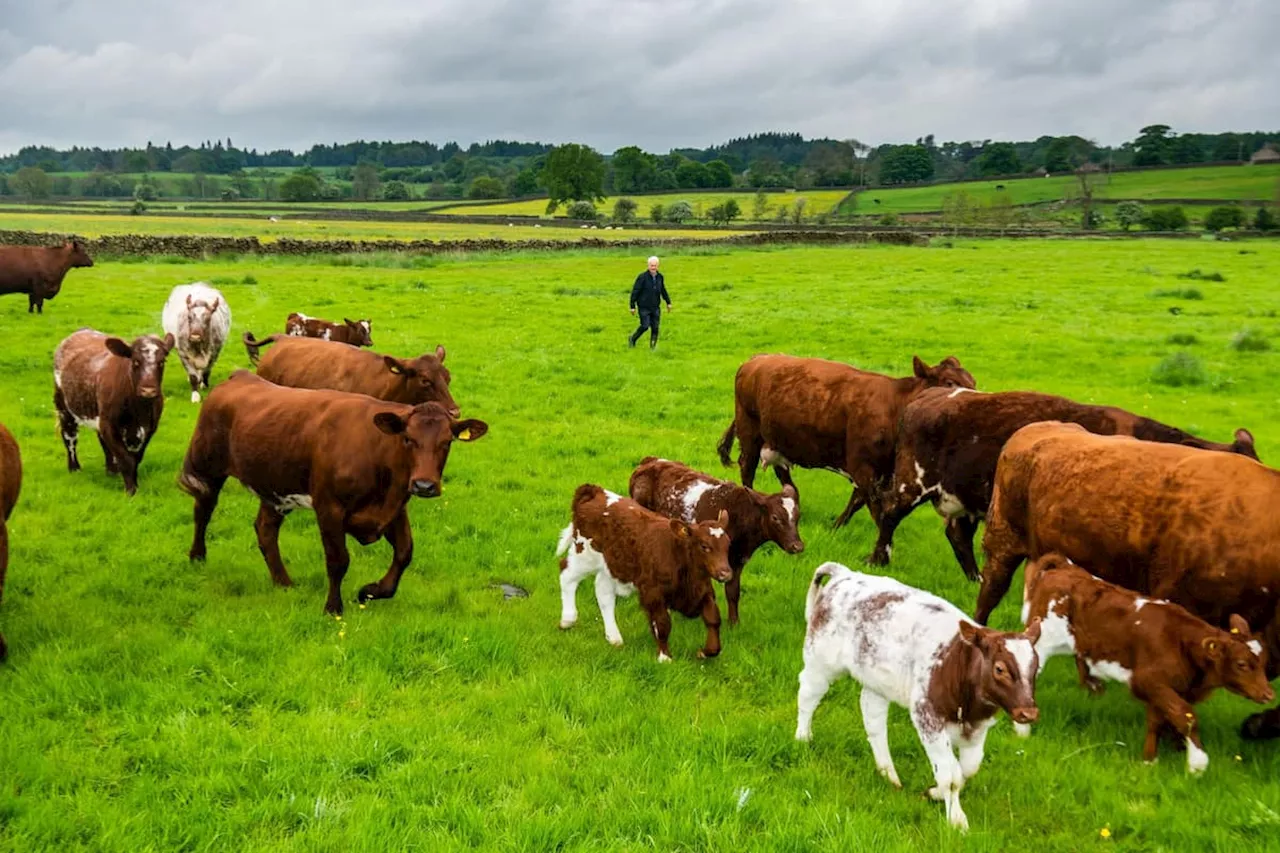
(425, 379)
(948, 373)
(780, 516)
(426, 434)
(706, 545)
(76, 254)
(1239, 660)
(146, 362)
(200, 318)
(1003, 672)
(361, 332)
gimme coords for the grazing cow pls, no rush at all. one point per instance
(910, 648)
(198, 318)
(823, 414)
(324, 365)
(354, 460)
(629, 548)
(115, 389)
(1196, 527)
(949, 441)
(38, 271)
(677, 491)
(354, 332)
(1170, 659)
(10, 485)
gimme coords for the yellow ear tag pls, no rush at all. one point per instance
(1235, 630)
(465, 435)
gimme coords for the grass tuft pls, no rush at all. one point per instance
(1178, 370)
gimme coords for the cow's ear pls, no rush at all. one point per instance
(679, 528)
(789, 491)
(1239, 627)
(389, 422)
(1032, 631)
(722, 520)
(469, 430)
(169, 340)
(1212, 648)
(347, 321)
(951, 361)
(921, 369)
(969, 632)
(440, 353)
(1244, 437)
(118, 347)
(394, 366)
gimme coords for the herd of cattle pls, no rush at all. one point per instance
(1153, 555)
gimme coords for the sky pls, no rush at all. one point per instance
(660, 74)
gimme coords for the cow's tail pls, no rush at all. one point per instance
(251, 346)
(566, 537)
(726, 443)
(826, 570)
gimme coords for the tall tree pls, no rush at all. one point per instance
(1151, 148)
(999, 158)
(633, 170)
(364, 182)
(903, 164)
(573, 172)
(32, 182)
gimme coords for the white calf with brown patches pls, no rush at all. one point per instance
(198, 318)
(910, 648)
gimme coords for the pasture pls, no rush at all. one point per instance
(153, 704)
(816, 201)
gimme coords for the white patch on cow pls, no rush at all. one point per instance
(1197, 758)
(1109, 670)
(1255, 647)
(694, 494)
(195, 396)
(769, 456)
(716, 532)
(87, 423)
(1138, 604)
(790, 506)
(364, 324)
(288, 503)
(959, 391)
(139, 438)
(326, 334)
(936, 487)
(1023, 655)
(303, 317)
(57, 378)
(610, 498)
(948, 505)
(1055, 634)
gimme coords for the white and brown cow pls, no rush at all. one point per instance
(357, 333)
(911, 648)
(198, 318)
(113, 388)
(678, 491)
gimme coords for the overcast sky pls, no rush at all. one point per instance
(658, 73)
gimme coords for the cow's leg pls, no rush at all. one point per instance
(400, 535)
(710, 618)
(1164, 705)
(660, 624)
(857, 500)
(607, 597)
(336, 558)
(875, 719)
(749, 447)
(193, 376)
(815, 681)
(113, 467)
(783, 473)
(127, 462)
(204, 378)
(887, 524)
(960, 532)
(972, 750)
(576, 567)
(732, 593)
(68, 429)
(995, 583)
(267, 526)
(947, 775)
(206, 498)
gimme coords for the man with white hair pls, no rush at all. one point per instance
(646, 295)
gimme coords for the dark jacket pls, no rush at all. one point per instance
(647, 290)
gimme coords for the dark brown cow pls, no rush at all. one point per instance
(1196, 527)
(324, 365)
(353, 332)
(355, 460)
(1170, 659)
(824, 414)
(10, 485)
(628, 548)
(38, 271)
(678, 491)
(949, 441)
(115, 389)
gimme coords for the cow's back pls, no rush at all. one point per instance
(81, 365)
(302, 362)
(20, 267)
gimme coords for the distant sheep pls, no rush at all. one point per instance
(198, 318)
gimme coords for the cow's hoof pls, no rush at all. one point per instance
(566, 624)
(664, 658)
(368, 592)
(877, 558)
(195, 396)
(196, 556)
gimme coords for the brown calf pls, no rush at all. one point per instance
(949, 441)
(115, 389)
(354, 460)
(38, 271)
(1170, 659)
(10, 485)
(353, 332)
(824, 414)
(628, 548)
(324, 365)
(677, 491)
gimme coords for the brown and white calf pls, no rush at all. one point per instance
(199, 319)
(1170, 659)
(670, 563)
(357, 333)
(910, 648)
(678, 491)
(10, 485)
(113, 388)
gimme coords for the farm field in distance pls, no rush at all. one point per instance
(150, 703)
(816, 201)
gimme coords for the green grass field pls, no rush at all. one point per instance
(255, 205)
(817, 201)
(151, 704)
(1210, 182)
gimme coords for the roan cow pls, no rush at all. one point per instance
(198, 318)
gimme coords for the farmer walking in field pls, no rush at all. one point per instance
(646, 294)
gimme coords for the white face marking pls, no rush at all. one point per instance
(790, 506)
(1024, 655)
(1138, 603)
(364, 324)
(1109, 670)
(716, 532)
(303, 317)
(1197, 758)
(694, 494)
(1255, 647)
(610, 498)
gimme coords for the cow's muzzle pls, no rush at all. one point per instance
(148, 393)
(796, 547)
(425, 489)
(1025, 715)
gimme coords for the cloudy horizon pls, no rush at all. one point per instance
(660, 74)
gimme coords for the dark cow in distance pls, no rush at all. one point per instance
(38, 271)
(114, 388)
(357, 333)
(354, 460)
(1195, 527)
(823, 414)
(325, 365)
(10, 485)
(949, 441)
(678, 491)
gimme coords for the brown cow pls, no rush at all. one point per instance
(352, 459)
(325, 365)
(677, 491)
(1196, 527)
(949, 441)
(824, 414)
(354, 332)
(115, 389)
(38, 271)
(629, 548)
(10, 485)
(1170, 659)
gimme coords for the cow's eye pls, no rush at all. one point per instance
(1001, 670)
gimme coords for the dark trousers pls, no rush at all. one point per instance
(649, 318)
